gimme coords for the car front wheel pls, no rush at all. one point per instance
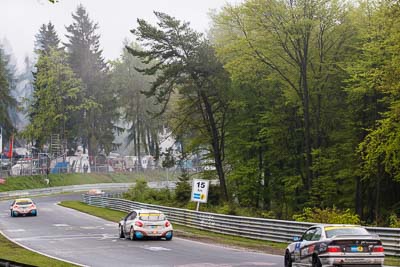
(288, 259)
(121, 232)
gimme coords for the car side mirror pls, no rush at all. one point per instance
(296, 238)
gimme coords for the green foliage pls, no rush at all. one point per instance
(137, 109)
(297, 105)
(186, 65)
(142, 193)
(183, 189)
(328, 215)
(169, 160)
(139, 192)
(289, 131)
(98, 119)
(7, 101)
(227, 209)
(46, 39)
(373, 91)
(394, 221)
(56, 99)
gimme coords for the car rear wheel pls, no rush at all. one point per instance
(168, 236)
(132, 234)
(288, 259)
(316, 262)
(121, 232)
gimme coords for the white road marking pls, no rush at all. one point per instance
(156, 248)
(53, 257)
(107, 236)
(66, 237)
(92, 227)
(45, 209)
(16, 230)
(60, 225)
(89, 227)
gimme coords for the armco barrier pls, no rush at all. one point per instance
(255, 228)
(64, 189)
(79, 188)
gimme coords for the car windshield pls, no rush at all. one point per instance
(24, 203)
(151, 217)
(334, 231)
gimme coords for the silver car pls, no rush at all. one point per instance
(335, 245)
(140, 224)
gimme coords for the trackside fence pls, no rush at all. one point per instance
(255, 228)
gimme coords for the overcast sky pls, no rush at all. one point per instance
(20, 20)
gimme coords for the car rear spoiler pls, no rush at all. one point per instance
(336, 237)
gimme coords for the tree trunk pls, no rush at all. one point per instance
(216, 146)
(359, 197)
(307, 126)
(138, 141)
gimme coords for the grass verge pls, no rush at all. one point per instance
(201, 235)
(38, 181)
(12, 252)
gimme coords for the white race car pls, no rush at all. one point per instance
(140, 224)
(335, 245)
(23, 207)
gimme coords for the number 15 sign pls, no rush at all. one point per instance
(200, 190)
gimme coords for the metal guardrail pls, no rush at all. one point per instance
(64, 189)
(254, 228)
(81, 188)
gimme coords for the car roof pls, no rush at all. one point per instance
(23, 200)
(147, 211)
(323, 225)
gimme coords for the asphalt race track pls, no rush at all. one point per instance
(87, 240)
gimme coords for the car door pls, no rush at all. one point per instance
(130, 217)
(302, 244)
(309, 247)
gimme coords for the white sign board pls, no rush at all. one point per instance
(200, 190)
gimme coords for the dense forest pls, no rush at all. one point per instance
(295, 102)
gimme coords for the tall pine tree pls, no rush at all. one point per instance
(46, 39)
(56, 99)
(7, 101)
(85, 57)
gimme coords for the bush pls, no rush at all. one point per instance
(394, 222)
(214, 195)
(183, 189)
(328, 215)
(142, 193)
(227, 209)
(138, 192)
